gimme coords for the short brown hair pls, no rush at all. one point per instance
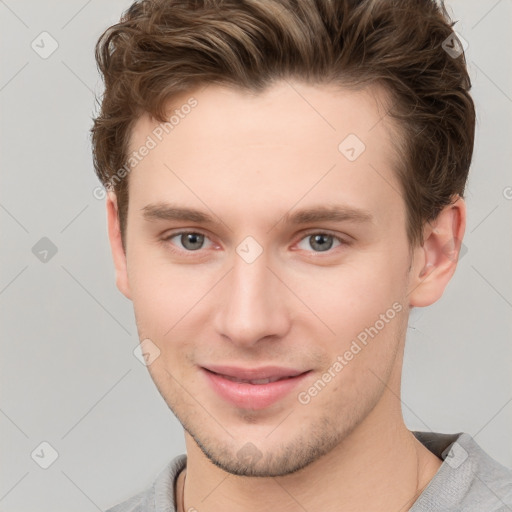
(164, 47)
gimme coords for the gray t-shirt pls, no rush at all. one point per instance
(468, 480)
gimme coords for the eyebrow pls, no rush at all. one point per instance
(336, 213)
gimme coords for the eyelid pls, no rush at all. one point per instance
(314, 231)
(171, 234)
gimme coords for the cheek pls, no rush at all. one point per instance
(359, 362)
(159, 289)
(353, 297)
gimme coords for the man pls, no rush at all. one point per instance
(286, 183)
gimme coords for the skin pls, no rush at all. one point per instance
(248, 160)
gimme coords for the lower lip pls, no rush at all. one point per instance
(252, 396)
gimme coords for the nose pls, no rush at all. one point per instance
(254, 303)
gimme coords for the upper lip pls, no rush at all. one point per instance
(263, 372)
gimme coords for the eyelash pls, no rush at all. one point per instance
(167, 239)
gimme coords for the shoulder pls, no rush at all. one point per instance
(160, 496)
(491, 481)
(468, 480)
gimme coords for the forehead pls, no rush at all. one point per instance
(285, 113)
(293, 142)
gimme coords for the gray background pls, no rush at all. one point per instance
(68, 374)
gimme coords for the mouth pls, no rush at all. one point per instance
(253, 381)
(253, 388)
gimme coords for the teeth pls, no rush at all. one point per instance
(256, 381)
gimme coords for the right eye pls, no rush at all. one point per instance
(191, 241)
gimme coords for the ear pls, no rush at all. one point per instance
(434, 263)
(118, 254)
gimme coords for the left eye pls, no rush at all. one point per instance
(321, 242)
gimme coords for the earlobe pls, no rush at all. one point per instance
(118, 254)
(435, 262)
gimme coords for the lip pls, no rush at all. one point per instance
(252, 396)
(263, 372)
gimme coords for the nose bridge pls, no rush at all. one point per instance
(254, 305)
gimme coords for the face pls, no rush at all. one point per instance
(260, 282)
